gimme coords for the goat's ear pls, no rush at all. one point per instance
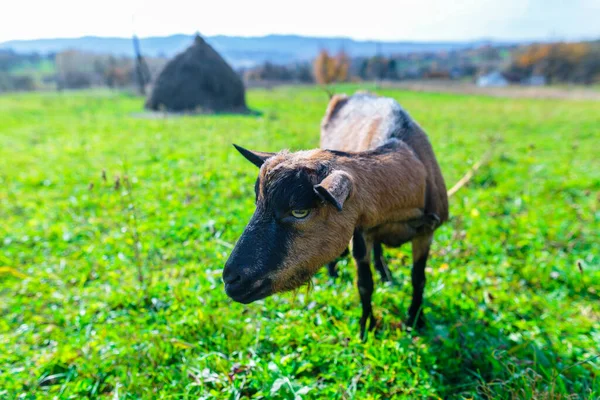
(257, 158)
(335, 188)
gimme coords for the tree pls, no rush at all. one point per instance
(377, 68)
(392, 70)
(342, 66)
(364, 69)
(328, 69)
(560, 62)
(324, 68)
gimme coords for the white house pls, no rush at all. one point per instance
(494, 78)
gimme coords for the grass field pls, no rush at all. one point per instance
(113, 289)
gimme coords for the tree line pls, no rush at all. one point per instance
(556, 62)
(559, 62)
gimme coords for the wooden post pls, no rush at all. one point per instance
(141, 68)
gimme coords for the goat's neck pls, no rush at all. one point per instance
(387, 187)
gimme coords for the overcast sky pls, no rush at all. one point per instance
(417, 20)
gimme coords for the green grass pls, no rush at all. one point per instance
(510, 314)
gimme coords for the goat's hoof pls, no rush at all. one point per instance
(417, 323)
(363, 333)
(389, 280)
(373, 323)
(384, 272)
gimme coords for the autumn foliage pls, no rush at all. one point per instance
(561, 62)
(328, 69)
(569, 52)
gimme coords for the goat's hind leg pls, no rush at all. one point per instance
(420, 252)
(361, 251)
(380, 264)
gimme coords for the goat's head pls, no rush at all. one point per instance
(303, 219)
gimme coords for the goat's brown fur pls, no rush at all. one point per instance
(370, 203)
(364, 122)
(377, 170)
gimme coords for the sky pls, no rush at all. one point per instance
(395, 20)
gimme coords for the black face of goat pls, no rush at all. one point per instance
(292, 232)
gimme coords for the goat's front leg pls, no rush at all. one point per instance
(361, 249)
(420, 252)
(332, 269)
(332, 266)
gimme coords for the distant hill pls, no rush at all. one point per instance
(239, 51)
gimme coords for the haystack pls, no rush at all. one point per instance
(198, 80)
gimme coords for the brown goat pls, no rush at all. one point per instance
(378, 183)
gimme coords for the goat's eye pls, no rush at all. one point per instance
(300, 213)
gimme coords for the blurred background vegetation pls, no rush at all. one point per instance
(531, 64)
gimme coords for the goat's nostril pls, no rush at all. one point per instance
(234, 279)
(231, 277)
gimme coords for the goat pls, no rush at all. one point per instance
(358, 126)
(375, 180)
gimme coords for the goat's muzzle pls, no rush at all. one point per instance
(243, 286)
(256, 255)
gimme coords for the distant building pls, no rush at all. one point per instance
(493, 79)
(535, 80)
